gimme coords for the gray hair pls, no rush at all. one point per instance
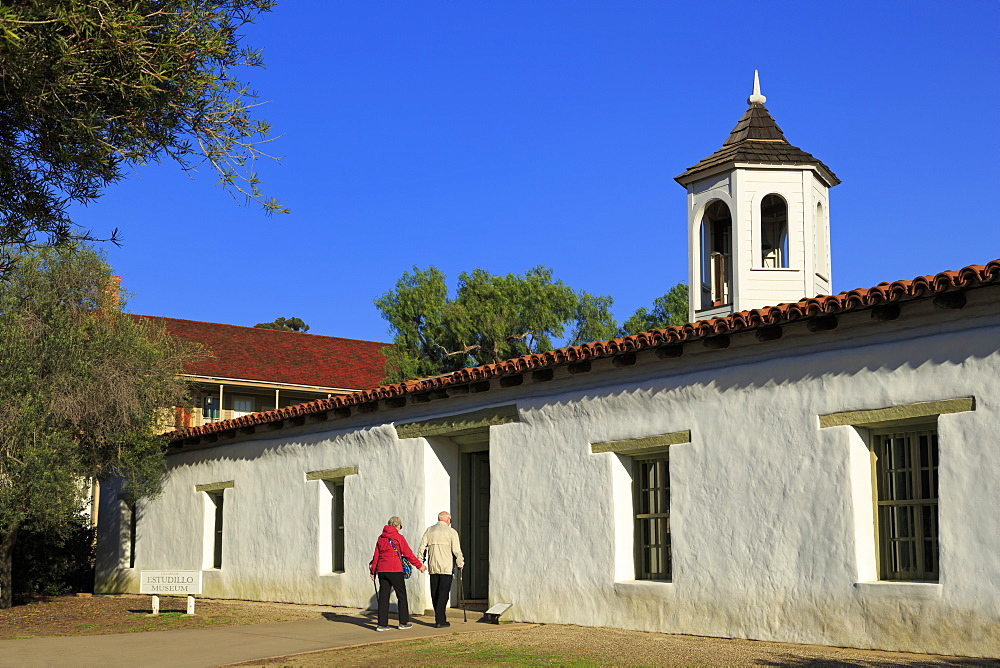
(444, 515)
(395, 522)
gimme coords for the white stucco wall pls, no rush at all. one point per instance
(772, 525)
(272, 516)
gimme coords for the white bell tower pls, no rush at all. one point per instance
(758, 220)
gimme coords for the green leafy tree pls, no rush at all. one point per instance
(669, 310)
(415, 310)
(91, 88)
(84, 392)
(494, 318)
(594, 321)
(285, 324)
(490, 319)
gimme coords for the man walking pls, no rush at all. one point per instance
(441, 542)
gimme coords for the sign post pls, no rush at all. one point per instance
(170, 583)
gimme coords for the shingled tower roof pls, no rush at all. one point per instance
(756, 140)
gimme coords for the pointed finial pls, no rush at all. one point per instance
(756, 97)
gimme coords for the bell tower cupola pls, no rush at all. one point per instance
(758, 220)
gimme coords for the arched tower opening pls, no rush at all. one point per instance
(822, 242)
(716, 265)
(774, 232)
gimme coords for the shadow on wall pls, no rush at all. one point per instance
(113, 581)
(807, 364)
(846, 361)
(251, 450)
(764, 370)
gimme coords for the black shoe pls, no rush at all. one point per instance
(444, 624)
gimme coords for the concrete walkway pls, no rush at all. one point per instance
(219, 646)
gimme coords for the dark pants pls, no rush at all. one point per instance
(393, 581)
(440, 593)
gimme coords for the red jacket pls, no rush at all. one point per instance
(385, 559)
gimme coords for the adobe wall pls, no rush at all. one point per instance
(772, 526)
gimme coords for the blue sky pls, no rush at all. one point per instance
(508, 135)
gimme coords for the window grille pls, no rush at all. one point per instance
(652, 518)
(906, 469)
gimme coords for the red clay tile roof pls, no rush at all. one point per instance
(855, 300)
(756, 139)
(275, 356)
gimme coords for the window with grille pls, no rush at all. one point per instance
(906, 471)
(651, 479)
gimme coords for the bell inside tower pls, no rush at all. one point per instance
(716, 243)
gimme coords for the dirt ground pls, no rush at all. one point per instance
(99, 615)
(541, 645)
(557, 645)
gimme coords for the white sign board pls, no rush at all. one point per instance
(170, 583)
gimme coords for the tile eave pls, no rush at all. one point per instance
(846, 302)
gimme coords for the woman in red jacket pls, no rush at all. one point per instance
(386, 563)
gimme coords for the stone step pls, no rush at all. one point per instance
(474, 604)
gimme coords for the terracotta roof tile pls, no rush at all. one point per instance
(756, 139)
(845, 302)
(275, 356)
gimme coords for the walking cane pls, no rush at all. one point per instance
(461, 597)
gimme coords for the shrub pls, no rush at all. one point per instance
(54, 562)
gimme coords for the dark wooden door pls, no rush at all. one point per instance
(476, 524)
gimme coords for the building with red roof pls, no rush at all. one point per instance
(246, 370)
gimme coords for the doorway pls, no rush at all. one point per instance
(474, 518)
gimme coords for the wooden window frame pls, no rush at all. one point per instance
(917, 502)
(652, 529)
